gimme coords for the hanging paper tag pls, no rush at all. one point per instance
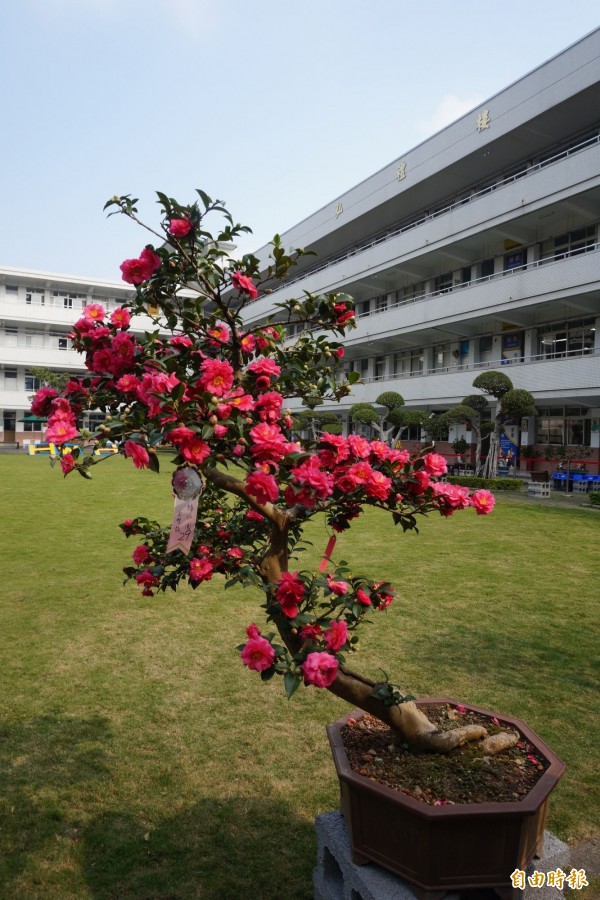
(187, 487)
(328, 551)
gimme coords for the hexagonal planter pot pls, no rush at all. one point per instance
(444, 848)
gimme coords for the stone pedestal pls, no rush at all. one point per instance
(336, 877)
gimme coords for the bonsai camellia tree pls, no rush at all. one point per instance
(390, 421)
(513, 403)
(215, 388)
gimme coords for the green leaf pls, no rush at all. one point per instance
(292, 683)
(153, 463)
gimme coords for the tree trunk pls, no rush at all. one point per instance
(410, 723)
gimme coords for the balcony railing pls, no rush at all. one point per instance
(461, 286)
(490, 364)
(430, 215)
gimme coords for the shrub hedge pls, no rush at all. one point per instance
(491, 484)
(594, 498)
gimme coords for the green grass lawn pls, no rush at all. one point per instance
(138, 758)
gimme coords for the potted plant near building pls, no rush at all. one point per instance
(215, 388)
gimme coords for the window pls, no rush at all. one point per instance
(10, 376)
(35, 296)
(363, 308)
(31, 382)
(380, 367)
(574, 242)
(574, 338)
(416, 361)
(443, 283)
(487, 268)
(465, 275)
(382, 302)
(549, 430)
(12, 289)
(442, 357)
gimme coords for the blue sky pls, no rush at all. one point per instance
(276, 108)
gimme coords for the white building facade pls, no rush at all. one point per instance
(478, 249)
(37, 312)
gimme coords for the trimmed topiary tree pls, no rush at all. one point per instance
(513, 403)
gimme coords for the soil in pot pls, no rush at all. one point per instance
(465, 775)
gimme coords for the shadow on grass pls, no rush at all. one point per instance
(240, 847)
(40, 759)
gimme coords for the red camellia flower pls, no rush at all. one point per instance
(200, 570)
(258, 653)
(217, 377)
(67, 463)
(483, 502)
(120, 317)
(320, 669)
(336, 636)
(195, 450)
(136, 271)
(41, 402)
(435, 464)
(290, 593)
(137, 453)
(179, 228)
(243, 283)
(262, 487)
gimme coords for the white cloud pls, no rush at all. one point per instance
(448, 110)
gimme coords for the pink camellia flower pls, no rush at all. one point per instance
(179, 228)
(378, 486)
(453, 496)
(268, 406)
(265, 368)
(243, 283)
(362, 597)
(290, 593)
(180, 434)
(358, 446)
(40, 405)
(320, 669)
(220, 431)
(120, 317)
(262, 487)
(220, 334)
(195, 450)
(146, 580)
(422, 481)
(60, 430)
(67, 463)
(337, 587)
(136, 271)
(200, 570)
(381, 599)
(311, 632)
(483, 502)
(248, 343)
(435, 464)
(217, 377)
(460, 709)
(141, 554)
(137, 453)
(94, 312)
(336, 636)
(258, 654)
(254, 516)
(128, 384)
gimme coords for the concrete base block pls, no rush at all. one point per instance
(336, 877)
